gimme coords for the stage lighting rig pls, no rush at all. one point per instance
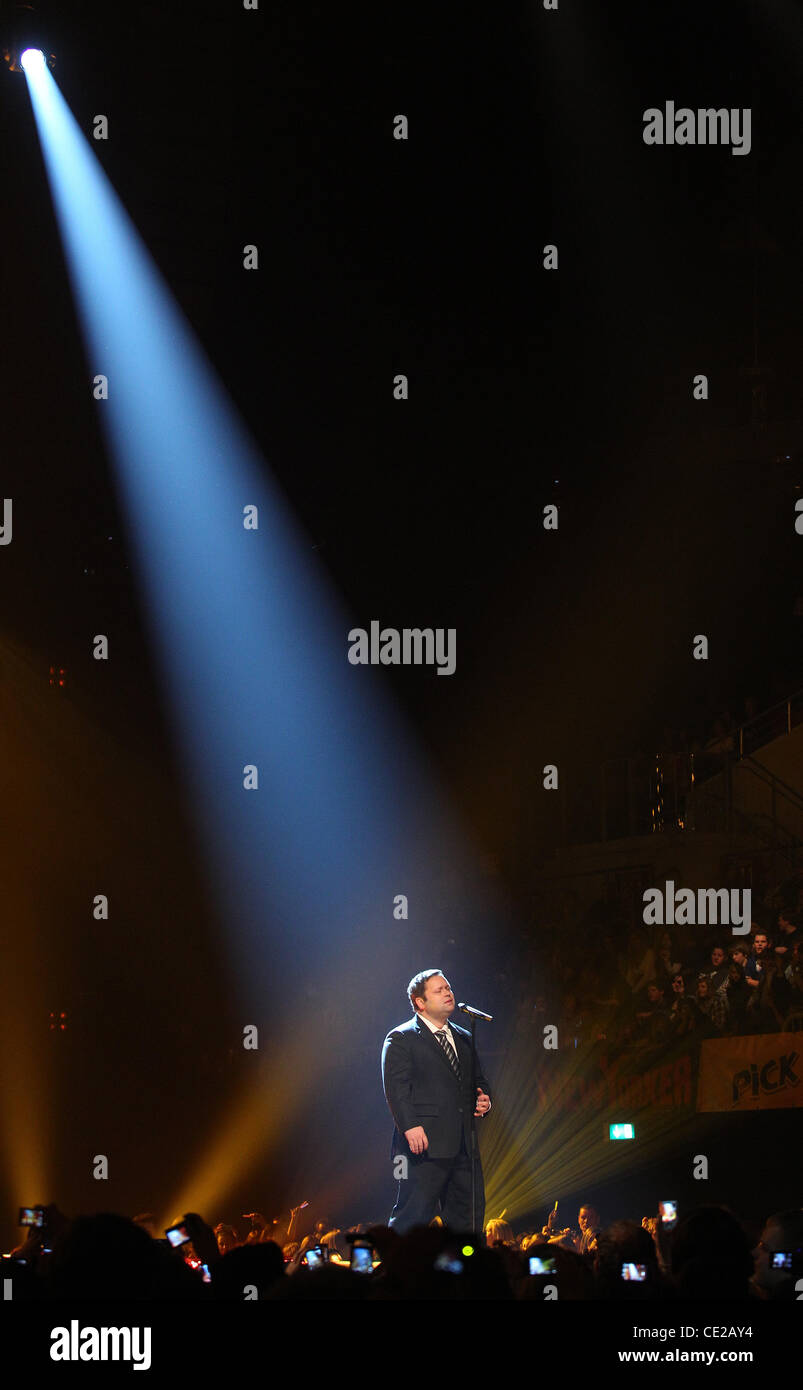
(24, 38)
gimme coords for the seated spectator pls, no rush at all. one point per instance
(757, 959)
(718, 971)
(652, 1020)
(737, 996)
(778, 1256)
(788, 934)
(771, 1001)
(711, 1005)
(682, 1014)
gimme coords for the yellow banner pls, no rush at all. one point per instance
(764, 1072)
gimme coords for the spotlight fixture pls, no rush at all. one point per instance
(31, 58)
(23, 39)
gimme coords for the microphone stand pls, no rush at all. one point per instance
(473, 1127)
(474, 1014)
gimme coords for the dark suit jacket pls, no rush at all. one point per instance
(422, 1089)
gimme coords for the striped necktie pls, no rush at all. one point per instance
(449, 1050)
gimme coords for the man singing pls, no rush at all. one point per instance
(426, 1073)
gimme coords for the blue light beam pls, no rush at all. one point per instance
(252, 645)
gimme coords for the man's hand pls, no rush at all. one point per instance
(483, 1103)
(417, 1139)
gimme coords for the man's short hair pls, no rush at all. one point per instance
(417, 987)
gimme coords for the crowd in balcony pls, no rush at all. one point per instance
(661, 985)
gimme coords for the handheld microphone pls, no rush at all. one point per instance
(475, 1013)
